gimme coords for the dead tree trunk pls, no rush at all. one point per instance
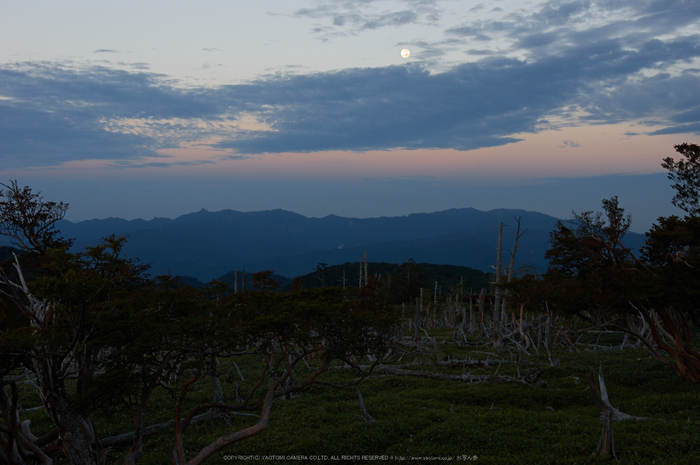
(366, 275)
(471, 313)
(608, 414)
(416, 318)
(496, 330)
(77, 436)
(518, 235)
(364, 414)
(360, 283)
(482, 308)
(421, 302)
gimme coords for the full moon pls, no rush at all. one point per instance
(405, 53)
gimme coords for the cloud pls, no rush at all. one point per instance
(693, 128)
(398, 18)
(58, 114)
(554, 26)
(474, 104)
(569, 143)
(138, 66)
(661, 99)
(610, 72)
(210, 66)
(130, 164)
(33, 137)
(430, 50)
(351, 17)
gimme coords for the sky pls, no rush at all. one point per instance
(161, 108)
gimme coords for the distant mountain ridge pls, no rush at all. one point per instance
(207, 244)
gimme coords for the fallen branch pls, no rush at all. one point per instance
(479, 363)
(528, 380)
(126, 437)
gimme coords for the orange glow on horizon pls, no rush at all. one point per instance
(569, 152)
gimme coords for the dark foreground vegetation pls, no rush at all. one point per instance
(596, 358)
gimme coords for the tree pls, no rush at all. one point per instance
(686, 175)
(672, 255)
(59, 317)
(286, 329)
(322, 269)
(48, 336)
(589, 266)
(592, 243)
(671, 291)
(29, 220)
(593, 275)
(406, 282)
(66, 316)
(263, 280)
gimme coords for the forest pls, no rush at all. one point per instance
(103, 363)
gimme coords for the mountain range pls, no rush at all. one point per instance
(206, 245)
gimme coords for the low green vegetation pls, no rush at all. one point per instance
(417, 417)
(497, 423)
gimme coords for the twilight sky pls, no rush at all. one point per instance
(161, 108)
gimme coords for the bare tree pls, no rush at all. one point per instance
(496, 330)
(518, 235)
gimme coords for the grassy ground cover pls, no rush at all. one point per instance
(454, 421)
(470, 423)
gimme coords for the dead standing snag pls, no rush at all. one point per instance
(608, 414)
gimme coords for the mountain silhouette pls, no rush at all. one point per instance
(207, 244)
